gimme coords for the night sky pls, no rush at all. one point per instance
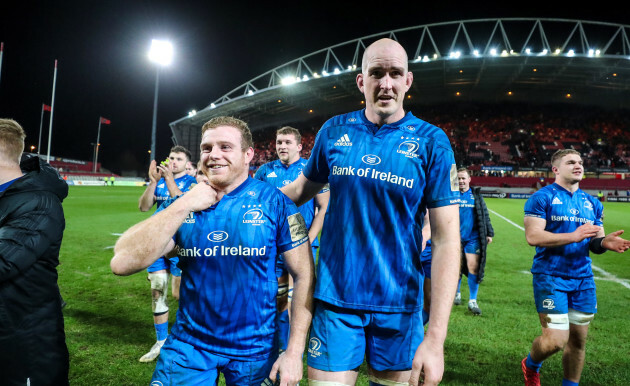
(103, 69)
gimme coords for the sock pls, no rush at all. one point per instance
(473, 286)
(529, 362)
(459, 284)
(425, 317)
(161, 330)
(566, 382)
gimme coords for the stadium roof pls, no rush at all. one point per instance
(483, 60)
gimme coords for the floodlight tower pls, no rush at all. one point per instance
(161, 53)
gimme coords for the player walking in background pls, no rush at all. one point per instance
(564, 223)
(165, 181)
(279, 173)
(32, 340)
(229, 233)
(385, 168)
(476, 233)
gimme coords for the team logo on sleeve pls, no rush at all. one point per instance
(297, 227)
(454, 184)
(254, 216)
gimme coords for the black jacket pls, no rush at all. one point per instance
(32, 339)
(482, 220)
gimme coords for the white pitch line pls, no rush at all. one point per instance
(606, 275)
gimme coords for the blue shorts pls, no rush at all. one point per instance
(167, 264)
(555, 294)
(425, 260)
(341, 338)
(471, 246)
(180, 363)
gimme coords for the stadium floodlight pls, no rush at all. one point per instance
(192, 113)
(212, 105)
(161, 53)
(493, 52)
(337, 71)
(528, 51)
(454, 54)
(571, 53)
(287, 80)
(305, 78)
(325, 73)
(476, 53)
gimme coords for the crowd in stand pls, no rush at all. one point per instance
(510, 134)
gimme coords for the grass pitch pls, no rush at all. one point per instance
(109, 325)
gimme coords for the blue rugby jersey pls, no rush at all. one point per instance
(381, 182)
(228, 255)
(564, 213)
(278, 174)
(184, 183)
(467, 228)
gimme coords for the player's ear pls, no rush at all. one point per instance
(249, 154)
(360, 81)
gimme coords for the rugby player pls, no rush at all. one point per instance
(385, 168)
(229, 233)
(165, 181)
(476, 233)
(279, 173)
(563, 222)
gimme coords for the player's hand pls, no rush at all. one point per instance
(289, 368)
(154, 173)
(613, 242)
(428, 364)
(586, 231)
(488, 239)
(166, 172)
(200, 197)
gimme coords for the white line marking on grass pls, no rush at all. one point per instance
(110, 247)
(116, 234)
(606, 275)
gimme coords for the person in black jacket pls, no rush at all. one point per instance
(32, 339)
(476, 233)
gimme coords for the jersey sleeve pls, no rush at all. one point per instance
(317, 168)
(291, 230)
(260, 173)
(441, 187)
(599, 213)
(536, 206)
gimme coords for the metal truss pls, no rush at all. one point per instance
(479, 38)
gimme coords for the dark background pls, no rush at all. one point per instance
(103, 69)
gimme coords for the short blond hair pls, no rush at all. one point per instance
(557, 156)
(11, 140)
(246, 134)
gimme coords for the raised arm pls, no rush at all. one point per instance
(536, 234)
(145, 242)
(321, 205)
(147, 199)
(302, 189)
